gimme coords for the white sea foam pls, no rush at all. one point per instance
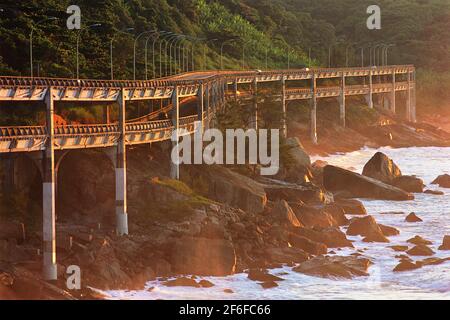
(431, 282)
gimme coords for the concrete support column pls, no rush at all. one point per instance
(393, 102)
(413, 98)
(255, 103)
(207, 105)
(283, 107)
(175, 167)
(200, 107)
(314, 110)
(370, 90)
(49, 194)
(342, 102)
(408, 99)
(121, 171)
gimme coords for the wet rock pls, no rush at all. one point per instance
(419, 240)
(280, 190)
(269, 284)
(409, 184)
(286, 255)
(434, 192)
(352, 207)
(335, 267)
(332, 237)
(382, 168)
(298, 154)
(227, 186)
(262, 275)
(443, 181)
(318, 216)
(420, 250)
(412, 217)
(367, 227)
(205, 283)
(228, 291)
(202, 256)
(445, 243)
(431, 262)
(389, 231)
(284, 214)
(406, 266)
(182, 282)
(399, 248)
(307, 245)
(359, 186)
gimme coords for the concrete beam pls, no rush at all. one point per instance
(49, 194)
(121, 172)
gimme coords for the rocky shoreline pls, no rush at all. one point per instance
(219, 221)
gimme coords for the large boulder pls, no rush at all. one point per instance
(445, 243)
(443, 181)
(227, 186)
(318, 216)
(367, 227)
(335, 267)
(202, 256)
(292, 192)
(284, 214)
(307, 245)
(336, 179)
(420, 250)
(382, 168)
(409, 184)
(297, 153)
(351, 207)
(286, 255)
(331, 237)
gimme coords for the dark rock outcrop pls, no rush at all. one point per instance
(412, 217)
(262, 275)
(381, 168)
(406, 266)
(420, 250)
(335, 267)
(445, 243)
(351, 207)
(284, 214)
(359, 186)
(409, 184)
(367, 227)
(307, 245)
(419, 240)
(443, 181)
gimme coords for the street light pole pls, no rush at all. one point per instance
(134, 50)
(78, 45)
(111, 49)
(31, 40)
(146, 50)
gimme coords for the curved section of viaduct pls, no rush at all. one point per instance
(48, 144)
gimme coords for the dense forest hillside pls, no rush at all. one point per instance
(273, 32)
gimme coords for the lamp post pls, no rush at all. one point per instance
(31, 40)
(134, 50)
(221, 52)
(111, 49)
(346, 55)
(151, 34)
(78, 45)
(204, 51)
